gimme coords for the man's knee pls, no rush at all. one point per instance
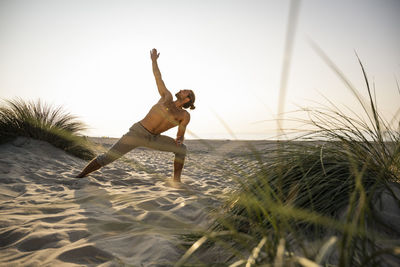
(181, 154)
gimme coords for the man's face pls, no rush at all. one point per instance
(182, 94)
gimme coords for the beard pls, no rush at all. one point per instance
(178, 96)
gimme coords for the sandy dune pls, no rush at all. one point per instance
(126, 213)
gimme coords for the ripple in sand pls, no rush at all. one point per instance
(9, 237)
(75, 235)
(88, 254)
(51, 210)
(38, 241)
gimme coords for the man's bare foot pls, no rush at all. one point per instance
(173, 183)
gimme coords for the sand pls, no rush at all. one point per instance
(127, 213)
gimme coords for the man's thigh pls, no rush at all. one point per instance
(166, 143)
(125, 144)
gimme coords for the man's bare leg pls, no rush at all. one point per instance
(178, 166)
(91, 167)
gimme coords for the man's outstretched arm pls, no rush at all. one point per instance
(162, 89)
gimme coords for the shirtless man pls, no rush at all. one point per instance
(163, 116)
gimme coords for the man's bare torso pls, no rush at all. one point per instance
(163, 116)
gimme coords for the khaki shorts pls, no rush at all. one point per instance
(138, 136)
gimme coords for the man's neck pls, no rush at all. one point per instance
(178, 103)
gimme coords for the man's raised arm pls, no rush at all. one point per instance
(162, 89)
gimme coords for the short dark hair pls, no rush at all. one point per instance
(192, 98)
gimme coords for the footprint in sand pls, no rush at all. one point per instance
(171, 183)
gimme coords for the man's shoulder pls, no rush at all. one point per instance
(185, 116)
(165, 101)
(167, 96)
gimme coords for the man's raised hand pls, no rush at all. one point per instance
(153, 54)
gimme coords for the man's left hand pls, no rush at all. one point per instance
(178, 141)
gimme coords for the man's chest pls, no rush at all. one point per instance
(170, 113)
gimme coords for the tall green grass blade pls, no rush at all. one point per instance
(326, 250)
(256, 251)
(287, 56)
(306, 262)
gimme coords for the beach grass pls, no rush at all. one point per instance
(44, 122)
(313, 201)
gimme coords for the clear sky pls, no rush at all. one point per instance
(92, 57)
